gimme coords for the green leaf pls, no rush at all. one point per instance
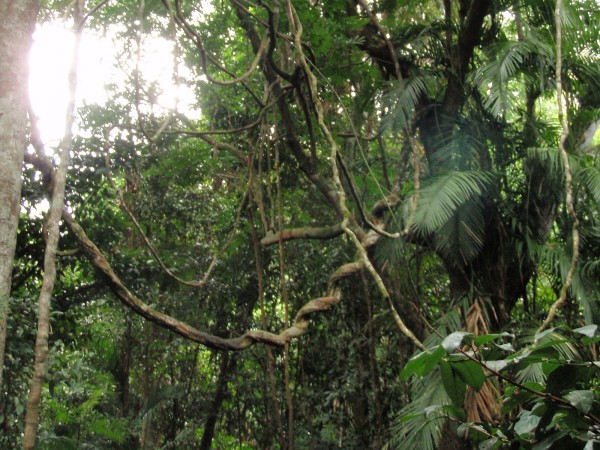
(589, 330)
(496, 365)
(543, 334)
(471, 373)
(442, 195)
(567, 377)
(557, 419)
(549, 441)
(485, 338)
(582, 400)
(453, 341)
(423, 363)
(490, 444)
(527, 423)
(452, 411)
(453, 383)
(508, 347)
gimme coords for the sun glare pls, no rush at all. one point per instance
(50, 60)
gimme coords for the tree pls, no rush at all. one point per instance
(52, 228)
(17, 25)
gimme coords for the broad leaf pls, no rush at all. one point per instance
(453, 383)
(485, 338)
(527, 423)
(423, 363)
(454, 340)
(582, 400)
(588, 330)
(471, 373)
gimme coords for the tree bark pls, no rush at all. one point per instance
(17, 22)
(53, 234)
(228, 363)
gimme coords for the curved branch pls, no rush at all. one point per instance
(385, 37)
(296, 29)
(99, 261)
(195, 284)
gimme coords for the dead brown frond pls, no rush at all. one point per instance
(483, 406)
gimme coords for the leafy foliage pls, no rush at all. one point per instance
(560, 408)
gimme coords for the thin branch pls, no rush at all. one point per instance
(91, 13)
(204, 56)
(384, 35)
(569, 201)
(196, 284)
(296, 29)
(361, 210)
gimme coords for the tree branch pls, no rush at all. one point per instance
(328, 232)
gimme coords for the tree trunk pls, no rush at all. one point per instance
(53, 234)
(228, 363)
(17, 22)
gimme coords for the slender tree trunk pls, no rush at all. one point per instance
(17, 22)
(53, 234)
(228, 363)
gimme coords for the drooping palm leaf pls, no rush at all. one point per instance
(586, 292)
(459, 151)
(510, 58)
(461, 238)
(414, 430)
(401, 100)
(442, 195)
(550, 158)
(590, 176)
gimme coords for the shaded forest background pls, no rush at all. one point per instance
(377, 225)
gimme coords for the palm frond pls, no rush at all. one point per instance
(550, 159)
(401, 100)
(590, 177)
(415, 430)
(511, 58)
(546, 256)
(586, 293)
(534, 371)
(457, 151)
(442, 195)
(461, 238)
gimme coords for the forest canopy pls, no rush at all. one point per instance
(303, 224)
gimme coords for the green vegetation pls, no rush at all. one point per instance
(423, 175)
